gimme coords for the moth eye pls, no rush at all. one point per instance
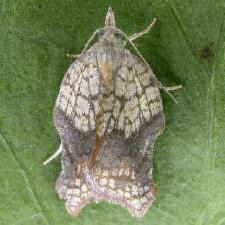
(117, 34)
(101, 33)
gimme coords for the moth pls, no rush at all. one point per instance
(109, 114)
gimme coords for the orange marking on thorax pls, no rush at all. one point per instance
(107, 72)
(98, 140)
(107, 75)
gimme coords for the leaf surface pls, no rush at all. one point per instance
(186, 46)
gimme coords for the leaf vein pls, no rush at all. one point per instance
(23, 173)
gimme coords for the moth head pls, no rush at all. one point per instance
(110, 34)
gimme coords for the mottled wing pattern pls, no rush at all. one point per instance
(137, 91)
(123, 171)
(72, 187)
(127, 116)
(119, 185)
(134, 99)
(121, 174)
(79, 92)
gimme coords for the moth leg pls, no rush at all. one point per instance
(173, 88)
(168, 89)
(85, 47)
(73, 56)
(137, 35)
(54, 155)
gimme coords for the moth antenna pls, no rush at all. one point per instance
(89, 42)
(110, 18)
(135, 48)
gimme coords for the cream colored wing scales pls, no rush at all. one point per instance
(119, 185)
(150, 88)
(79, 93)
(133, 99)
(138, 94)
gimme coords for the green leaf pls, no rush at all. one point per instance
(186, 46)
